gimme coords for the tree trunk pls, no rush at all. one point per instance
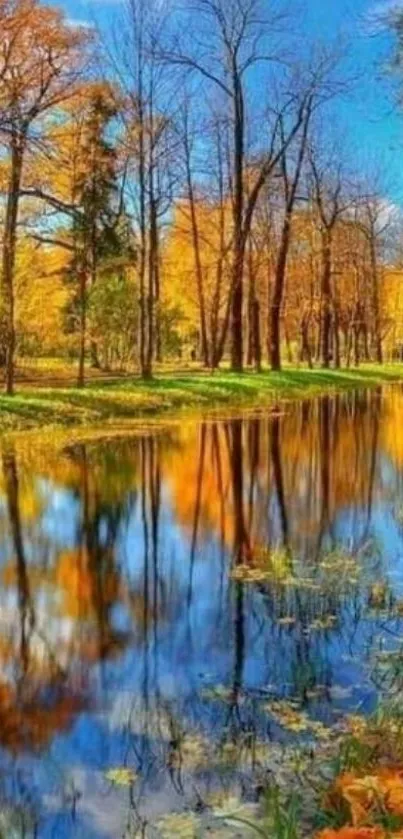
(157, 299)
(251, 301)
(277, 297)
(197, 256)
(305, 345)
(152, 271)
(223, 335)
(9, 247)
(326, 293)
(377, 340)
(257, 346)
(239, 243)
(83, 327)
(336, 337)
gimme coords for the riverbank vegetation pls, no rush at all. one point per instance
(121, 400)
(160, 212)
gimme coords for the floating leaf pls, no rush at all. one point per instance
(180, 825)
(121, 776)
(288, 716)
(325, 622)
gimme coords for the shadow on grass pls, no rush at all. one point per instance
(134, 398)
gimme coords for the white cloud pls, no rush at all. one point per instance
(79, 24)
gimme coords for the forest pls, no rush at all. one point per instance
(172, 197)
(201, 446)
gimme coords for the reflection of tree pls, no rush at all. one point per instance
(276, 458)
(236, 458)
(26, 719)
(238, 481)
(198, 495)
(157, 525)
(26, 612)
(97, 535)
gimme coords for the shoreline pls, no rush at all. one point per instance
(127, 403)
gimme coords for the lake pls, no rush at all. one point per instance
(180, 607)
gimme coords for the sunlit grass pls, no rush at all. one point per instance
(168, 394)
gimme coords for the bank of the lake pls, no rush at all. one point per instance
(124, 400)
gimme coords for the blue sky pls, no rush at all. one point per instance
(369, 119)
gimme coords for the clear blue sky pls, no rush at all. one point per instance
(370, 120)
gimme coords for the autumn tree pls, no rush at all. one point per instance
(233, 41)
(41, 57)
(77, 184)
(290, 179)
(330, 201)
(95, 197)
(147, 146)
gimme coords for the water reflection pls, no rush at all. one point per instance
(163, 595)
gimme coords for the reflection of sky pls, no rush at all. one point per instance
(61, 516)
(201, 627)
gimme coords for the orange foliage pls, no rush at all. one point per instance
(370, 794)
(352, 833)
(75, 577)
(33, 724)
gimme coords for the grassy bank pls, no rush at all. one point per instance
(124, 400)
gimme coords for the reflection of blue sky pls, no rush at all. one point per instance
(191, 646)
(61, 515)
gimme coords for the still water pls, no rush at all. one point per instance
(168, 599)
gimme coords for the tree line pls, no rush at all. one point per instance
(175, 187)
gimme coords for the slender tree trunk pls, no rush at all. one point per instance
(239, 243)
(215, 358)
(357, 331)
(305, 345)
(141, 172)
(377, 340)
(336, 336)
(143, 246)
(290, 191)
(224, 332)
(257, 344)
(251, 301)
(94, 260)
(196, 253)
(157, 298)
(82, 327)
(326, 293)
(277, 297)
(367, 354)
(347, 344)
(152, 271)
(8, 266)
(216, 307)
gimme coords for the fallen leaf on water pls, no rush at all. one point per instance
(121, 776)
(180, 825)
(295, 720)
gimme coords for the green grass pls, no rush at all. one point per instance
(125, 400)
